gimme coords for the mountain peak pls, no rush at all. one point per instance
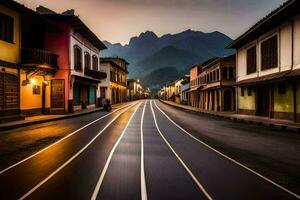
(148, 35)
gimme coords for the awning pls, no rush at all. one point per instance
(268, 78)
(86, 81)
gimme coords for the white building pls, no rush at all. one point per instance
(268, 65)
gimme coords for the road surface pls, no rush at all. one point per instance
(136, 152)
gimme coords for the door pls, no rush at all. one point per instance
(9, 94)
(58, 94)
(263, 100)
(228, 100)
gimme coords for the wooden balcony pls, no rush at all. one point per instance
(39, 57)
(95, 74)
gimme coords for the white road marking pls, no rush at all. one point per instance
(73, 157)
(97, 188)
(178, 157)
(227, 157)
(67, 136)
(143, 180)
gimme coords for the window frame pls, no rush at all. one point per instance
(87, 60)
(275, 63)
(7, 28)
(95, 63)
(77, 63)
(251, 69)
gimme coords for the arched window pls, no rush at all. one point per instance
(87, 60)
(95, 63)
(77, 58)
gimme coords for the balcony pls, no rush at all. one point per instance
(95, 74)
(38, 57)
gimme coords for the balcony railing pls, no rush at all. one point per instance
(95, 74)
(39, 57)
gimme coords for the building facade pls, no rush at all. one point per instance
(217, 80)
(10, 45)
(268, 65)
(76, 82)
(194, 85)
(185, 90)
(114, 87)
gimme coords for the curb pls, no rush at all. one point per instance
(284, 127)
(13, 126)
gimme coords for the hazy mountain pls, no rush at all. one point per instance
(168, 56)
(148, 52)
(157, 78)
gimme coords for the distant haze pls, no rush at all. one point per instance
(118, 20)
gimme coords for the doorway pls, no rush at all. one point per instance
(263, 100)
(228, 100)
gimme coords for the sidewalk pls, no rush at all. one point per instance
(249, 119)
(44, 118)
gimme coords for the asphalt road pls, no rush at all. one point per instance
(137, 152)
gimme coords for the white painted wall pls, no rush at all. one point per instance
(86, 46)
(284, 33)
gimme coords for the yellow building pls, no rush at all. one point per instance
(114, 87)
(26, 67)
(38, 65)
(9, 60)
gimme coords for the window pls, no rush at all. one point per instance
(77, 58)
(242, 91)
(6, 28)
(269, 53)
(231, 75)
(224, 73)
(249, 91)
(281, 88)
(218, 74)
(214, 75)
(251, 60)
(95, 63)
(87, 61)
(36, 89)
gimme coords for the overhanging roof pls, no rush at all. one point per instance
(280, 15)
(78, 27)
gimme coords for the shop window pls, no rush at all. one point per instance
(6, 28)
(36, 89)
(242, 91)
(95, 63)
(249, 91)
(87, 61)
(281, 88)
(77, 58)
(269, 53)
(251, 60)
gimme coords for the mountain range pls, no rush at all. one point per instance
(155, 60)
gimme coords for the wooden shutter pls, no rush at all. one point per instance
(251, 60)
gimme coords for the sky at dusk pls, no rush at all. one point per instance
(119, 20)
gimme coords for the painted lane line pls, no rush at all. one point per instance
(101, 178)
(67, 136)
(227, 157)
(73, 157)
(143, 180)
(180, 160)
